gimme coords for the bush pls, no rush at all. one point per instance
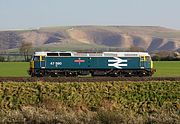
(110, 117)
(2, 59)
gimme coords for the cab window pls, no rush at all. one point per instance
(148, 58)
(142, 58)
(36, 58)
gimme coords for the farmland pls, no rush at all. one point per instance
(19, 69)
(95, 102)
(167, 68)
(90, 102)
(13, 69)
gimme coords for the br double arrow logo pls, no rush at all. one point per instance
(117, 62)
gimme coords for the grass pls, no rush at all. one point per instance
(167, 68)
(15, 69)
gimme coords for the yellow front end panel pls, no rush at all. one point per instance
(32, 64)
(151, 64)
(40, 58)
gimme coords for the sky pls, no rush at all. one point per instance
(30, 14)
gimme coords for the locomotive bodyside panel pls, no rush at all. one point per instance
(92, 63)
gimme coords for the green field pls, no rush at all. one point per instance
(15, 69)
(167, 68)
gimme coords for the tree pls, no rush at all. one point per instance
(26, 49)
(2, 59)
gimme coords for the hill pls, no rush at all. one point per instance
(149, 38)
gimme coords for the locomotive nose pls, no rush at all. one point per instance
(31, 68)
(152, 64)
(153, 70)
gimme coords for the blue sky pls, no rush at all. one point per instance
(18, 14)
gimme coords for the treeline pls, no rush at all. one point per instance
(26, 51)
(14, 58)
(167, 58)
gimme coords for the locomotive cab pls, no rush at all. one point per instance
(37, 62)
(33, 64)
(146, 63)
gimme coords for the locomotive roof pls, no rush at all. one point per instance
(104, 54)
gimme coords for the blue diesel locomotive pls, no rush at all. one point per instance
(96, 64)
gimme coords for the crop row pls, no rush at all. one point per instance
(138, 97)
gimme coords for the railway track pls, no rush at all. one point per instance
(86, 79)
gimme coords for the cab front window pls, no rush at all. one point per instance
(36, 58)
(148, 58)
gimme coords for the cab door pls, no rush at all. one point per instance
(142, 62)
(147, 62)
(36, 62)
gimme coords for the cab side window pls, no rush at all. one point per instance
(142, 58)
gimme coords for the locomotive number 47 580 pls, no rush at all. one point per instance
(56, 63)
